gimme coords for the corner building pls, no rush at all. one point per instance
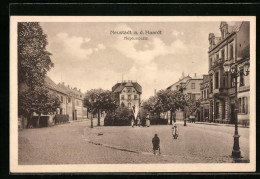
(232, 46)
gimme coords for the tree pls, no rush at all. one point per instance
(191, 105)
(97, 100)
(33, 59)
(33, 64)
(165, 100)
(39, 100)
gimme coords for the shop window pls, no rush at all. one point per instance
(217, 110)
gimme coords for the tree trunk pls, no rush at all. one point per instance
(38, 120)
(98, 117)
(87, 113)
(171, 118)
(29, 120)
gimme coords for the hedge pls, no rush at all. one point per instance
(121, 117)
(61, 118)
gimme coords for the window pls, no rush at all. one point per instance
(211, 86)
(61, 99)
(129, 90)
(129, 105)
(133, 91)
(224, 110)
(193, 96)
(129, 96)
(207, 93)
(224, 81)
(222, 54)
(122, 97)
(216, 80)
(135, 96)
(69, 100)
(192, 85)
(231, 51)
(122, 105)
(232, 81)
(202, 95)
(243, 105)
(242, 81)
(124, 91)
(217, 57)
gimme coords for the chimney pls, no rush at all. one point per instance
(195, 75)
(63, 83)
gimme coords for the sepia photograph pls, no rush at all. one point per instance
(132, 94)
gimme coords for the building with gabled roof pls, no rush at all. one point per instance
(128, 94)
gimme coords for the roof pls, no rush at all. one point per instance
(52, 85)
(49, 83)
(180, 81)
(117, 88)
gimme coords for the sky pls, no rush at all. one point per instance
(87, 56)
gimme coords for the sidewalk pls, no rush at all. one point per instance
(219, 124)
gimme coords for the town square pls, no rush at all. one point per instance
(134, 92)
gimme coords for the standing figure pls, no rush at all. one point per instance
(138, 121)
(147, 123)
(156, 144)
(132, 122)
(175, 132)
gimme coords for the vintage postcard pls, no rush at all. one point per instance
(132, 94)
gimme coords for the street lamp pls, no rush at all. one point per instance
(232, 68)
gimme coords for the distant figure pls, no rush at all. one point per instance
(132, 122)
(156, 144)
(175, 132)
(147, 123)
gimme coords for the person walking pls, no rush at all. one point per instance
(147, 123)
(156, 144)
(132, 122)
(175, 132)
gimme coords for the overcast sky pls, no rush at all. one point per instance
(87, 56)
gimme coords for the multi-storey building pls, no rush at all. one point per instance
(188, 86)
(204, 106)
(128, 94)
(71, 99)
(232, 46)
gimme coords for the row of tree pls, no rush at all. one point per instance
(99, 100)
(168, 100)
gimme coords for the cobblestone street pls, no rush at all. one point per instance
(77, 143)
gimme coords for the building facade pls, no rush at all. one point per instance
(188, 86)
(232, 46)
(128, 94)
(71, 99)
(205, 102)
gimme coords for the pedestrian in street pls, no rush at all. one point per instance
(138, 120)
(132, 122)
(175, 132)
(147, 123)
(156, 144)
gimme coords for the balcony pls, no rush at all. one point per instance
(216, 63)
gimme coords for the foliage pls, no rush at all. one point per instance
(33, 59)
(39, 100)
(165, 100)
(98, 99)
(192, 106)
(121, 117)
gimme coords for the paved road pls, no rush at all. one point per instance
(77, 143)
